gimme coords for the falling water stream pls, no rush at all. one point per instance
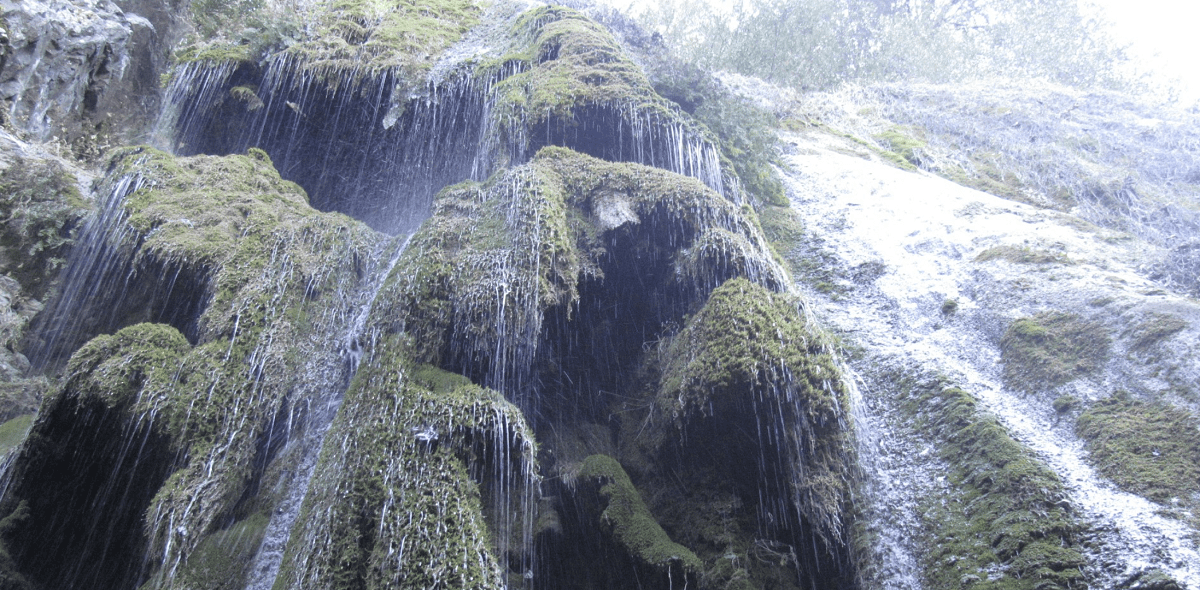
(306, 449)
(925, 233)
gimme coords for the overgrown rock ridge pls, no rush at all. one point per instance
(423, 295)
(437, 294)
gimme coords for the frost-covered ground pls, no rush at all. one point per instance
(902, 245)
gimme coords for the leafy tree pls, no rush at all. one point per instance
(814, 44)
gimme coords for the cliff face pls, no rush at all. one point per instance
(422, 296)
(439, 295)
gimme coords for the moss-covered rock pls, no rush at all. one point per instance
(750, 347)
(355, 40)
(257, 281)
(559, 61)
(41, 207)
(494, 257)
(1005, 525)
(630, 522)
(426, 481)
(1051, 348)
(93, 460)
(1147, 448)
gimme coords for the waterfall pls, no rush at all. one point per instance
(95, 281)
(307, 447)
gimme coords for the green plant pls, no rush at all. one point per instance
(1003, 526)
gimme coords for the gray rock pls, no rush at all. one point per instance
(61, 61)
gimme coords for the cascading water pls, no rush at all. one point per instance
(560, 288)
(924, 236)
(305, 449)
(99, 284)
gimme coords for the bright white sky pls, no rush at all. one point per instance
(1162, 38)
(1161, 35)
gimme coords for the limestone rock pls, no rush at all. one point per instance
(60, 61)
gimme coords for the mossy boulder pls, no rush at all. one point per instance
(1052, 348)
(494, 257)
(1007, 511)
(425, 481)
(1147, 448)
(257, 281)
(752, 349)
(76, 475)
(630, 522)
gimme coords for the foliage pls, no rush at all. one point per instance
(1050, 349)
(1147, 448)
(818, 44)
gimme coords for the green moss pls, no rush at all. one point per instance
(784, 229)
(750, 343)
(115, 369)
(271, 272)
(1005, 512)
(1151, 579)
(215, 53)
(40, 208)
(745, 132)
(782, 226)
(1152, 329)
(359, 39)
(1022, 255)
(1147, 448)
(1065, 404)
(395, 505)
(13, 432)
(565, 63)
(223, 559)
(630, 521)
(902, 148)
(949, 307)
(986, 172)
(1050, 349)
(494, 256)
(246, 95)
